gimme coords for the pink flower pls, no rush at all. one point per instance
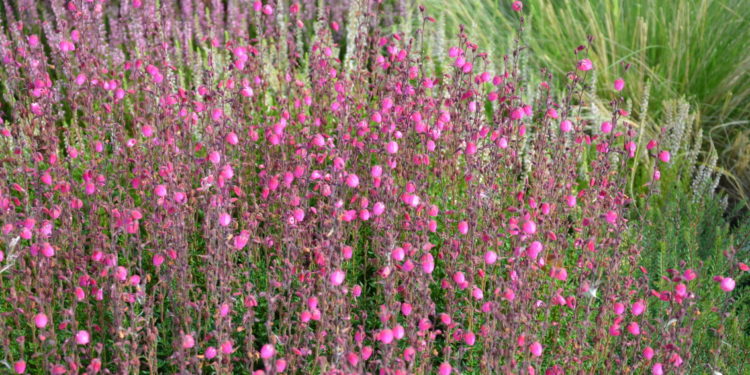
(406, 309)
(681, 289)
(227, 347)
(188, 341)
(398, 254)
(517, 6)
(648, 353)
(280, 365)
(67, 46)
(566, 126)
(217, 114)
(606, 127)
(536, 349)
(224, 219)
(82, 337)
(689, 275)
(611, 217)
(559, 273)
(428, 263)
(529, 227)
(337, 277)
(517, 114)
(634, 328)
(459, 277)
(40, 320)
(470, 338)
(657, 369)
(241, 240)
(664, 156)
(385, 336)
(267, 351)
(571, 200)
(210, 352)
(727, 284)
(299, 214)
(445, 369)
(352, 180)
(160, 191)
(638, 307)
(490, 257)
(619, 84)
(47, 250)
(477, 293)
(392, 147)
(463, 227)
(147, 131)
(232, 139)
(584, 65)
(19, 367)
(534, 249)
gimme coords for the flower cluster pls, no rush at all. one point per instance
(179, 196)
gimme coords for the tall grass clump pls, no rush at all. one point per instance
(225, 188)
(697, 49)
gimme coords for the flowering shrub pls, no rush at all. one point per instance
(223, 194)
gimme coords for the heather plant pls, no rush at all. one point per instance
(190, 188)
